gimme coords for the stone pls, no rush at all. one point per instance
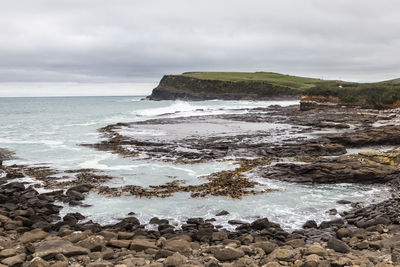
(82, 188)
(119, 243)
(162, 253)
(227, 253)
(108, 235)
(5, 253)
(260, 224)
(343, 232)
(75, 195)
(60, 264)
(296, 243)
(175, 260)
(32, 236)
(100, 264)
(14, 260)
(38, 262)
(125, 235)
(76, 236)
(283, 254)
(222, 213)
(267, 246)
(218, 236)
(142, 244)
(49, 249)
(316, 250)
(338, 246)
(93, 243)
(310, 224)
(180, 245)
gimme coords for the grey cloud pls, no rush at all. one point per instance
(128, 41)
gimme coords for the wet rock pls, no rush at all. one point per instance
(343, 202)
(260, 224)
(222, 213)
(75, 195)
(82, 188)
(310, 224)
(335, 222)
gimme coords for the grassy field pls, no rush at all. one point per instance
(277, 79)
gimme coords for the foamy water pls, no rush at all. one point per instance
(49, 131)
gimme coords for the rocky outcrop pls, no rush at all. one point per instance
(5, 155)
(384, 135)
(174, 87)
(363, 168)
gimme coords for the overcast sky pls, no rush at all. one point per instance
(136, 41)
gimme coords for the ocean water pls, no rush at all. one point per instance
(49, 131)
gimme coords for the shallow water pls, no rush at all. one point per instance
(50, 130)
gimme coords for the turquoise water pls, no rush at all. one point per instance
(49, 131)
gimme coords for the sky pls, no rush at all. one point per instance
(133, 43)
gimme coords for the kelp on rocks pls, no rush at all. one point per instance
(232, 183)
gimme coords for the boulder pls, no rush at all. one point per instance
(175, 260)
(338, 246)
(260, 224)
(93, 243)
(32, 236)
(49, 248)
(267, 246)
(283, 254)
(142, 244)
(180, 245)
(119, 243)
(226, 253)
(14, 260)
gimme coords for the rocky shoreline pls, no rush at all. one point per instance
(32, 232)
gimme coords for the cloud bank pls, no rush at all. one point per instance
(139, 41)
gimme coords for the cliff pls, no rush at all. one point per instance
(229, 86)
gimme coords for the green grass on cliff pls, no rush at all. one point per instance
(276, 79)
(372, 95)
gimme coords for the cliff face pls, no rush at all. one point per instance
(173, 87)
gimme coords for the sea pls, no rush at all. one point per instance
(49, 131)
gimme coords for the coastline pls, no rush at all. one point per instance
(363, 235)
